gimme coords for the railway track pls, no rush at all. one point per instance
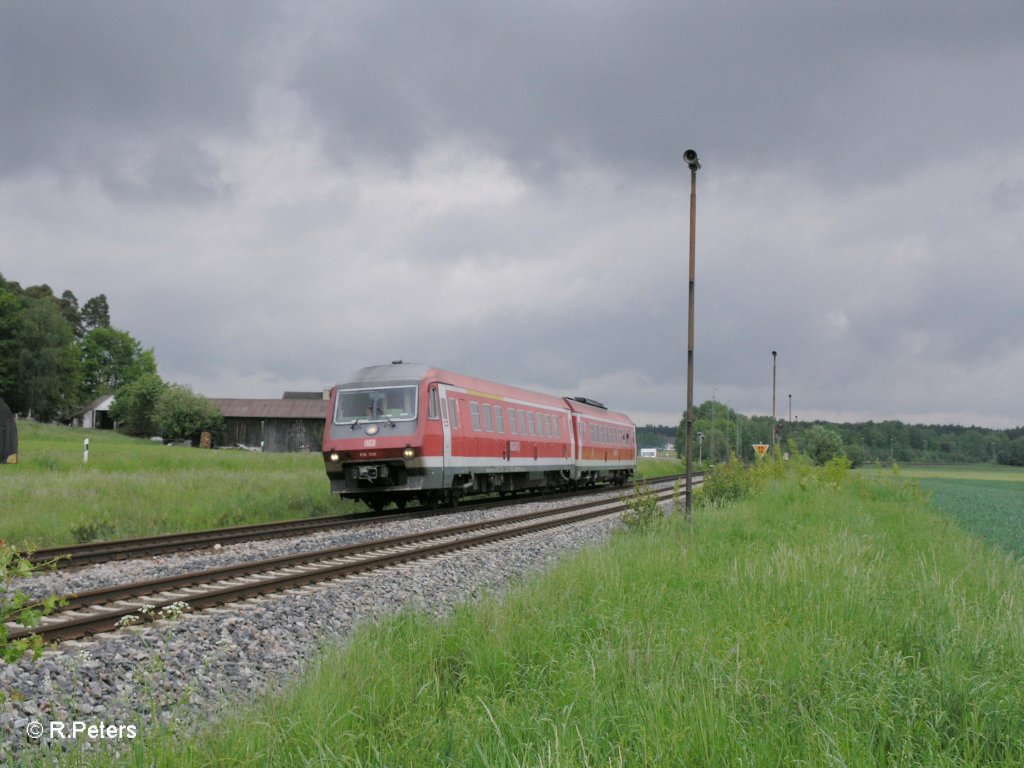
(78, 555)
(104, 610)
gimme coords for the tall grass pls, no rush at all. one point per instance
(132, 487)
(812, 624)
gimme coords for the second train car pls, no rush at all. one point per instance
(408, 431)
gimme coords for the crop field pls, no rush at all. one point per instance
(982, 472)
(987, 501)
(989, 505)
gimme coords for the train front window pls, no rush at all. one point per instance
(387, 404)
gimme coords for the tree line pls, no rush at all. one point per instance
(727, 432)
(57, 356)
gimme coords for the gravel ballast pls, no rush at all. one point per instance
(184, 669)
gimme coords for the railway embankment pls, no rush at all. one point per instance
(821, 620)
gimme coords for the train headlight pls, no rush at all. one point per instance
(335, 457)
(409, 453)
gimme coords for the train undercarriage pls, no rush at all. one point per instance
(380, 484)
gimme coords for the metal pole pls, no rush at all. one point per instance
(714, 395)
(690, 156)
(774, 353)
(737, 413)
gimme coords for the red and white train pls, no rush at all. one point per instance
(407, 431)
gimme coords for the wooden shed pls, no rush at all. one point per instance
(280, 426)
(95, 415)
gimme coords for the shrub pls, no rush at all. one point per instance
(134, 407)
(836, 471)
(642, 510)
(725, 482)
(182, 415)
(823, 444)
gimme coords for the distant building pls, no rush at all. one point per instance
(95, 415)
(290, 425)
(648, 453)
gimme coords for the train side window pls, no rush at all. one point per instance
(554, 425)
(488, 424)
(474, 415)
(529, 421)
(453, 411)
(512, 426)
(522, 422)
(499, 419)
(547, 425)
(444, 409)
(432, 411)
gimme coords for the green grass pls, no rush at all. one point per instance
(990, 472)
(986, 500)
(992, 510)
(133, 487)
(659, 467)
(808, 625)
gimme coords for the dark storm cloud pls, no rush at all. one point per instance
(853, 91)
(126, 92)
(498, 188)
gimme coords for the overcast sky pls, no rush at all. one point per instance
(274, 194)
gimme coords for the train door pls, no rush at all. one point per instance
(446, 431)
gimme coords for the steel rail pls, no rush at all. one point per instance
(69, 624)
(78, 555)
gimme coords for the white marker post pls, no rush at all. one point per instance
(85, 451)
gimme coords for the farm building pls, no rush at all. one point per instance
(95, 415)
(289, 425)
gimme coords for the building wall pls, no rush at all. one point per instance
(277, 435)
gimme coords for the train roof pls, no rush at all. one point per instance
(399, 372)
(595, 410)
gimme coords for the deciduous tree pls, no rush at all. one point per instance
(111, 359)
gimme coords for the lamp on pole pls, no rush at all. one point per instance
(690, 156)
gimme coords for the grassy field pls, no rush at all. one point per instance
(986, 500)
(809, 625)
(659, 467)
(133, 487)
(986, 472)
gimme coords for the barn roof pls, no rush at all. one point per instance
(101, 403)
(244, 408)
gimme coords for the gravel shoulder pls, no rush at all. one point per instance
(184, 670)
